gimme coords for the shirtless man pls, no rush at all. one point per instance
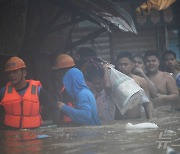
(170, 63)
(97, 74)
(124, 64)
(164, 82)
(139, 69)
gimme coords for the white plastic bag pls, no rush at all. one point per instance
(125, 91)
(146, 125)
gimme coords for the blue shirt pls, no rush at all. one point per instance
(20, 91)
(85, 111)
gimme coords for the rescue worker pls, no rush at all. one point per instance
(63, 63)
(85, 110)
(22, 99)
(170, 63)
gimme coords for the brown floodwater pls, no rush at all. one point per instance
(113, 138)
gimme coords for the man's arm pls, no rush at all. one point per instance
(148, 107)
(82, 115)
(46, 100)
(107, 82)
(152, 89)
(172, 90)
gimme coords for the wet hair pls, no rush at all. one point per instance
(85, 54)
(124, 54)
(138, 56)
(150, 53)
(168, 52)
(93, 70)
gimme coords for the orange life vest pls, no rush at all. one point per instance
(22, 111)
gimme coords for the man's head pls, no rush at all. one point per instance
(94, 73)
(138, 61)
(16, 70)
(169, 60)
(83, 54)
(63, 63)
(151, 60)
(124, 63)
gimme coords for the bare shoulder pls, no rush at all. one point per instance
(139, 80)
(167, 76)
(136, 77)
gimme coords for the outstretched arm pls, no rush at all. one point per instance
(82, 115)
(152, 89)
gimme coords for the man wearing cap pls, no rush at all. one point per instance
(22, 99)
(63, 63)
(72, 81)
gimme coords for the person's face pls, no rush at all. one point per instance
(138, 63)
(98, 84)
(16, 76)
(152, 64)
(124, 65)
(59, 74)
(170, 62)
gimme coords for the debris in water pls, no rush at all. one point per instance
(171, 151)
(42, 136)
(169, 132)
(145, 125)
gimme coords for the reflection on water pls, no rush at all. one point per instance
(113, 138)
(19, 142)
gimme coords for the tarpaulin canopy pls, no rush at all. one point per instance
(15, 13)
(155, 4)
(105, 13)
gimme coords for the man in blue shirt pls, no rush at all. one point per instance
(85, 111)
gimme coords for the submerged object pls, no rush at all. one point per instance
(145, 125)
(170, 150)
(42, 136)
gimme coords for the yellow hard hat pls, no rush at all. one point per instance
(14, 63)
(63, 61)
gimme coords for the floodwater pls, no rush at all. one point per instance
(113, 138)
